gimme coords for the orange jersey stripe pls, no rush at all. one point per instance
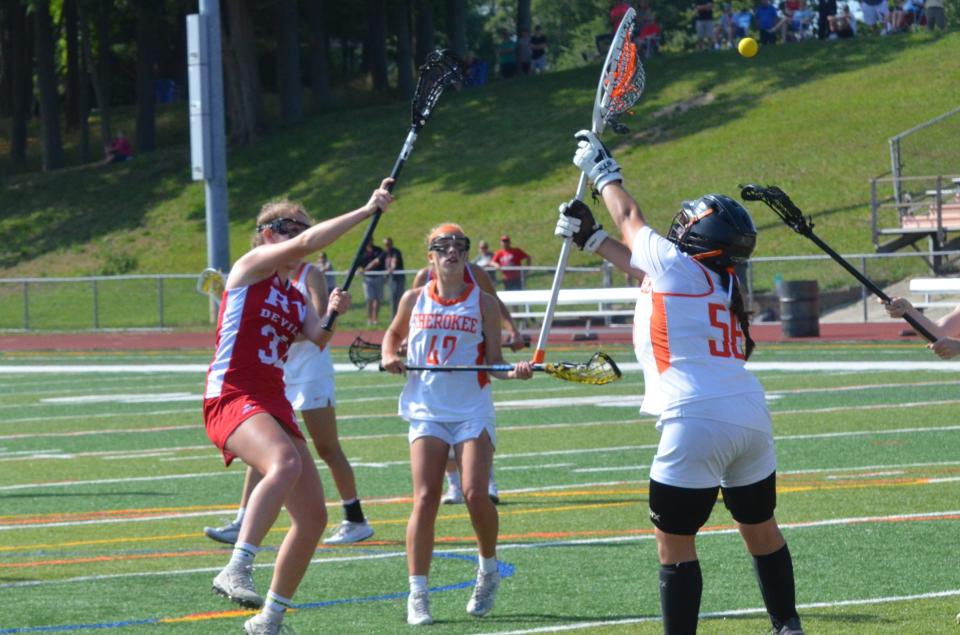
(658, 333)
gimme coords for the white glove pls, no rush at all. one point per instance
(576, 222)
(594, 160)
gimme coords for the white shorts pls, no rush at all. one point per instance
(453, 432)
(311, 395)
(700, 453)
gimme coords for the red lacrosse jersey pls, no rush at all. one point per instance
(256, 327)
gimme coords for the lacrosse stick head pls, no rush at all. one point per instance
(622, 80)
(599, 370)
(362, 352)
(777, 200)
(442, 68)
(211, 283)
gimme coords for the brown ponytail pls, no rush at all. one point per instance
(738, 308)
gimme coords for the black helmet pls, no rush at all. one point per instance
(715, 229)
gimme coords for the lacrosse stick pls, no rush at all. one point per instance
(777, 200)
(211, 283)
(363, 352)
(599, 370)
(621, 82)
(441, 69)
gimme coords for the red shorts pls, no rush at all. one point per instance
(223, 415)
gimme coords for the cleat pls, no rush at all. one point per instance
(484, 593)
(790, 627)
(260, 624)
(236, 583)
(454, 496)
(418, 608)
(349, 532)
(227, 534)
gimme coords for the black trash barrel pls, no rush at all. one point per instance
(800, 308)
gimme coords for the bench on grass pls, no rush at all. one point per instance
(949, 217)
(934, 286)
(520, 302)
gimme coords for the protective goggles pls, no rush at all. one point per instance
(286, 226)
(443, 244)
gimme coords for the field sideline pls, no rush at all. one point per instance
(107, 480)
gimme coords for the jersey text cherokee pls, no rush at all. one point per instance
(444, 321)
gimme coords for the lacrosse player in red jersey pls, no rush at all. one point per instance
(946, 329)
(692, 338)
(245, 411)
(450, 321)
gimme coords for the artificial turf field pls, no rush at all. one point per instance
(107, 479)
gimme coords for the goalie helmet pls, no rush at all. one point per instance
(715, 229)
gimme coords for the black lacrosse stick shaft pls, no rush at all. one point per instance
(799, 225)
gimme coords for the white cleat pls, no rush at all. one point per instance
(348, 533)
(260, 624)
(484, 593)
(236, 583)
(227, 534)
(418, 609)
(453, 496)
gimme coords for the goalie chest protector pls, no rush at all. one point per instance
(446, 333)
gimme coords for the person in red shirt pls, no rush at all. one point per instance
(118, 150)
(508, 256)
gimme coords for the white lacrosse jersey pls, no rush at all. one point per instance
(306, 362)
(688, 341)
(446, 333)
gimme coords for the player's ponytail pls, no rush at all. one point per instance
(729, 277)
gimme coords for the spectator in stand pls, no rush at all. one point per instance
(843, 25)
(936, 15)
(704, 23)
(725, 33)
(897, 18)
(475, 70)
(538, 51)
(393, 260)
(326, 267)
(119, 149)
(789, 20)
(766, 18)
(825, 10)
(508, 256)
(372, 264)
(946, 329)
(507, 55)
(484, 260)
(524, 51)
(874, 12)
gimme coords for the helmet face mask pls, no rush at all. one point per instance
(714, 229)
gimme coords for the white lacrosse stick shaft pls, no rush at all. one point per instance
(600, 104)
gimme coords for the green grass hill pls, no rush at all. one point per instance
(812, 117)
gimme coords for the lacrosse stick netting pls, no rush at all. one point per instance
(362, 352)
(211, 283)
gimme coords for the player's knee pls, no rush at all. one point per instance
(752, 504)
(680, 510)
(287, 466)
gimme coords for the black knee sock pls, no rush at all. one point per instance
(681, 585)
(353, 512)
(775, 575)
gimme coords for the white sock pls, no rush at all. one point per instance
(487, 565)
(275, 606)
(243, 554)
(418, 583)
(454, 479)
(241, 512)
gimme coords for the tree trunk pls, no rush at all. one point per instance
(90, 77)
(21, 83)
(319, 61)
(376, 47)
(102, 79)
(401, 9)
(423, 23)
(289, 86)
(52, 144)
(241, 75)
(148, 26)
(524, 19)
(457, 27)
(73, 63)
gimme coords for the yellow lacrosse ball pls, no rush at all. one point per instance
(747, 47)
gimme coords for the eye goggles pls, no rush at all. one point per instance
(443, 244)
(286, 226)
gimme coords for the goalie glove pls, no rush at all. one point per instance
(594, 160)
(577, 223)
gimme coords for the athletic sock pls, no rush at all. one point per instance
(681, 586)
(453, 478)
(241, 512)
(276, 606)
(775, 575)
(352, 511)
(418, 583)
(243, 555)
(487, 565)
